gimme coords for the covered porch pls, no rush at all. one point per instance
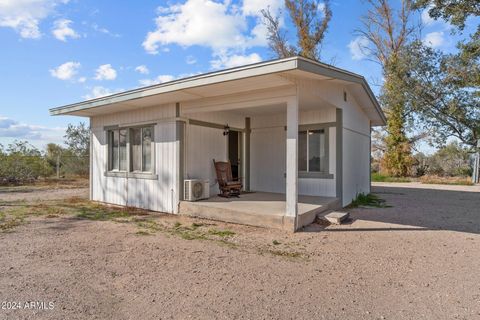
(283, 145)
(261, 209)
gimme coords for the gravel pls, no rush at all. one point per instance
(415, 260)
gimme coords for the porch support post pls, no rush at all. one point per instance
(180, 135)
(292, 161)
(90, 160)
(246, 161)
(339, 156)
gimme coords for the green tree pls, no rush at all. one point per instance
(463, 66)
(453, 11)
(310, 18)
(443, 105)
(77, 139)
(450, 160)
(75, 159)
(388, 31)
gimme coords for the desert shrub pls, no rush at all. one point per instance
(463, 181)
(453, 160)
(20, 162)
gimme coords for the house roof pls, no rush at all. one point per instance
(184, 89)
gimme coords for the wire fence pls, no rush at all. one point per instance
(18, 168)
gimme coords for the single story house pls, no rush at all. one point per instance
(296, 131)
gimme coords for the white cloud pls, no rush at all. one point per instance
(196, 22)
(82, 79)
(103, 30)
(105, 72)
(434, 39)
(191, 60)
(65, 71)
(142, 69)
(62, 30)
(358, 47)
(254, 7)
(321, 7)
(258, 34)
(6, 122)
(24, 16)
(99, 91)
(10, 128)
(426, 19)
(159, 79)
(235, 60)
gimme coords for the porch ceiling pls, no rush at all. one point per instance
(265, 110)
(305, 104)
(190, 94)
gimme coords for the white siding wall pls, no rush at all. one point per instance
(157, 195)
(268, 153)
(268, 159)
(356, 151)
(323, 187)
(205, 144)
(268, 144)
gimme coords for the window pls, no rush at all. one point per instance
(141, 149)
(312, 151)
(117, 153)
(136, 149)
(122, 152)
(147, 149)
(131, 150)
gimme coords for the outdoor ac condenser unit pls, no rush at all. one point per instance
(195, 189)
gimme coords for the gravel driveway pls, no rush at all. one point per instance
(418, 259)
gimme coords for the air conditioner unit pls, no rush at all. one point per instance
(195, 189)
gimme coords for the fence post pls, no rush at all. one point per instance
(58, 166)
(476, 165)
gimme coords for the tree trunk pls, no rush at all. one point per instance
(397, 160)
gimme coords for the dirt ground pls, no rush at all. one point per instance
(418, 259)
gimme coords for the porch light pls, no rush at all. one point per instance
(226, 130)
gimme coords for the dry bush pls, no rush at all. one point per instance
(465, 181)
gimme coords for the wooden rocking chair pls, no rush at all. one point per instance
(228, 186)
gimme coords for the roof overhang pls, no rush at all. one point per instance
(261, 75)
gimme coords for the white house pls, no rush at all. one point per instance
(296, 131)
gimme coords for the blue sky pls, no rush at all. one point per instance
(56, 52)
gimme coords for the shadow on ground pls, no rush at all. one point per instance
(415, 210)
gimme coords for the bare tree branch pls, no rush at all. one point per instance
(277, 40)
(386, 30)
(311, 20)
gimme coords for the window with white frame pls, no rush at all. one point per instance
(313, 151)
(131, 149)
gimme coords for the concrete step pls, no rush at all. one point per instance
(336, 217)
(194, 209)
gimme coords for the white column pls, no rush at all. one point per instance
(292, 161)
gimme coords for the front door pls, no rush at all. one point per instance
(234, 152)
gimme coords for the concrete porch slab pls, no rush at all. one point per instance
(260, 209)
